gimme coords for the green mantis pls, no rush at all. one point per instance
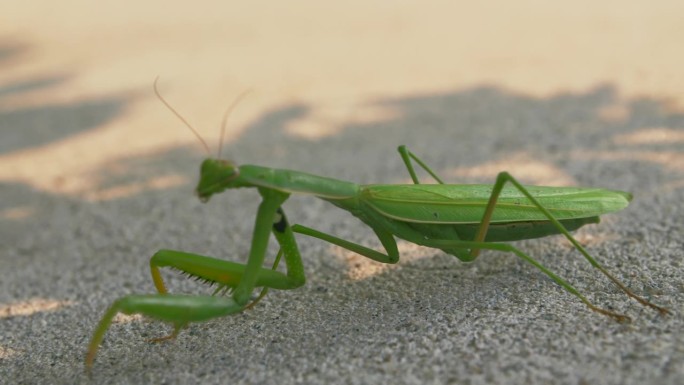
(460, 220)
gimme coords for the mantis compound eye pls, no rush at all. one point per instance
(234, 175)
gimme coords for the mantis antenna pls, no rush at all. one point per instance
(156, 91)
(225, 119)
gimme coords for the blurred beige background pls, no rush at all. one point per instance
(335, 58)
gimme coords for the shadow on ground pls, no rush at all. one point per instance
(89, 253)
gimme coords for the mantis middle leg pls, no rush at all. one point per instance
(406, 156)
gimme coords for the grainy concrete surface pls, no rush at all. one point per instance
(95, 176)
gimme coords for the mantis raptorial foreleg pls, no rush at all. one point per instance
(267, 219)
(264, 290)
(211, 270)
(183, 309)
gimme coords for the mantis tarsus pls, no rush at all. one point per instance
(460, 220)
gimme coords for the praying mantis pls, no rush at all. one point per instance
(458, 219)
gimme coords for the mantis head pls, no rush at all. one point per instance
(216, 175)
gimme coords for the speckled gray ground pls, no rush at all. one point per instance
(95, 176)
(431, 319)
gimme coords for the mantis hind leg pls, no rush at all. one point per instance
(464, 245)
(406, 156)
(501, 180)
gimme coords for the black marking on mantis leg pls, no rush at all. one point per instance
(279, 221)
